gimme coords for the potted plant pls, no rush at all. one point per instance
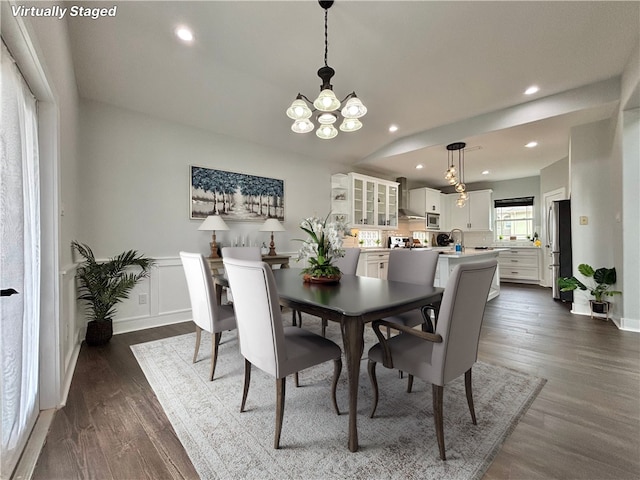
(599, 285)
(102, 285)
(322, 246)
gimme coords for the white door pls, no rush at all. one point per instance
(19, 263)
(549, 198)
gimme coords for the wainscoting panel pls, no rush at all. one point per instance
(161, 299)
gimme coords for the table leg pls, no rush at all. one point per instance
(218, 293)
(353, 342)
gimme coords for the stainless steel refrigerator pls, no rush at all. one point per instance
(559, 244)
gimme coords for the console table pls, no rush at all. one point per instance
(216, 266)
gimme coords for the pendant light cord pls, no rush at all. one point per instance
(326, 37)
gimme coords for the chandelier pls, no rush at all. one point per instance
(455, 176)
(327, 104)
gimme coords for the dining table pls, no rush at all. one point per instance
(352, 302)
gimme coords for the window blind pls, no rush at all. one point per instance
(513, 202)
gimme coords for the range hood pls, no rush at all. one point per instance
(403, 201)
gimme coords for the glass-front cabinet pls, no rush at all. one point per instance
(374, 202)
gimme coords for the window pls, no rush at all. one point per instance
(514, 218)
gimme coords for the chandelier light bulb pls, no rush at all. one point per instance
(460, 187)
(453, 181)
(460, 202)
(354, 108)
(350, 125)
(302, 126)
(326, 132)
(464, 195)
(453, 170)
(327, 101)
(327, 118)
(298, 110)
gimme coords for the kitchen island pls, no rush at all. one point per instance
(449, 259)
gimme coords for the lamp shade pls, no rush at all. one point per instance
(272, 225)
(354, 108)
(326, 101)
(326, 132)
(213, 223)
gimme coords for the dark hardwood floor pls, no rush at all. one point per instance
(584, 424)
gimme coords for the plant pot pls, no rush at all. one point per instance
(600, 309)
(310, 279)
(99, 333)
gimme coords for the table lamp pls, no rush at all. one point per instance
(213, 223)
(272, 225)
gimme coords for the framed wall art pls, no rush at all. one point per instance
(234, 196)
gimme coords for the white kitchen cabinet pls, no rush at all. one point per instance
(424, 200)
(373, 264)
(364, 200)
(520, 265)
(475, 216)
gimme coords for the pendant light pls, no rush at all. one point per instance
(327, 104)
(455, 176)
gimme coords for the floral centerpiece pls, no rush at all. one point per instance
(323, 245)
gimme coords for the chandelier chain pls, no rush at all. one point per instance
(326, 37)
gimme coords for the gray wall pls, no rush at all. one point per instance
(134, 177)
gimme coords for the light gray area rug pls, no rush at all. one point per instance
(399, 442)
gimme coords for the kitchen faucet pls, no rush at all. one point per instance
(461, 237)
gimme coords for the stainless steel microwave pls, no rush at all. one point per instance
(433, 221)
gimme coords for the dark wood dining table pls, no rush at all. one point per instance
(352, 302)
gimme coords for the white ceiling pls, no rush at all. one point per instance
(425, 66)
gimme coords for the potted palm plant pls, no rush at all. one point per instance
(102, 285)
(600, 282)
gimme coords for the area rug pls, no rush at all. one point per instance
(398, 443)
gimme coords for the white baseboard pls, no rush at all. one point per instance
(144, 322)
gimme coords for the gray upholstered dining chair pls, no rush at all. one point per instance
(207, 314)
(417, 267)
(265, 342)
(348, 264)
(440, 357)
(242, 253)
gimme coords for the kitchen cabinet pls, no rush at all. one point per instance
(424, 200)
(520, 265)
(445, 213)
(373, 264)
(475, 216)
(361, 200)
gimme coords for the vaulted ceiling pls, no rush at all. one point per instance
(440, 71)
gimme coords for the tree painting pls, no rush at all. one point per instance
(235, 196)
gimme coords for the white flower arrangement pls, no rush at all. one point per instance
(323, 244)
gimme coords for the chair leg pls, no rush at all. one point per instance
(297, 379)
(247, 379)
(371, 368)
(337, 368)
(280, 392)
(409, 383)
(215, 342)
(437, 417)
(324, 327)
(469, 391)
(296, 314)
(198, 336)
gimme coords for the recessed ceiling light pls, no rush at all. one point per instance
(531, 144)
(485, 172)
(419, 166)
(531, 90)
(183, 33)
(393, 128)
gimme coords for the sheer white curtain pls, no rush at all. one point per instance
(19, 262)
